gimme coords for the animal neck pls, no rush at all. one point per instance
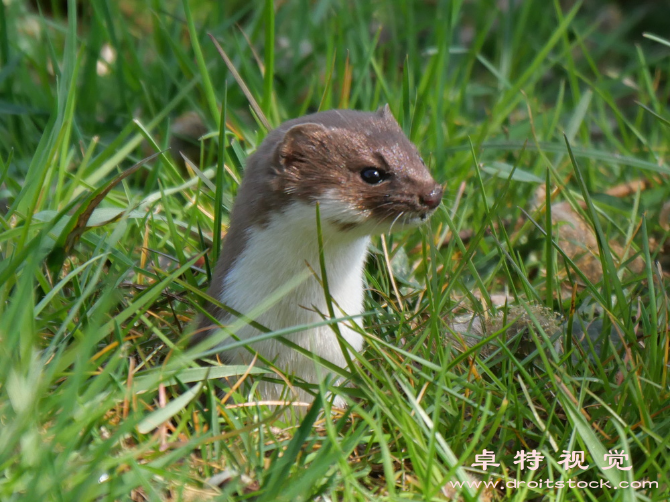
(286, 249)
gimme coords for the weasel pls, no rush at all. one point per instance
(368, 179)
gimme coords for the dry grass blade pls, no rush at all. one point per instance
(252, 101)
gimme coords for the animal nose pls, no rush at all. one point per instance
(433, 198)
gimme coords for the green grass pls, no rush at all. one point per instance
(100, 273)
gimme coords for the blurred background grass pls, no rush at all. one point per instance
(99, 276)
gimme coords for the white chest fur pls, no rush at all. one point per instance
(273, 257)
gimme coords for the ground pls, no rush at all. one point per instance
(548, 122)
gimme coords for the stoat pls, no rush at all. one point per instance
(367, 178)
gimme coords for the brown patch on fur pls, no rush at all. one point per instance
(315, 159)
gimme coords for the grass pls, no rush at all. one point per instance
(101, 272)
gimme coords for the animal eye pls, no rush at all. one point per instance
(372, 175)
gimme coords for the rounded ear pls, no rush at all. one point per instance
(299, 140)
(384, 112)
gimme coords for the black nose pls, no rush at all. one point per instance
(433, 198)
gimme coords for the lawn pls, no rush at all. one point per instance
(549, 123)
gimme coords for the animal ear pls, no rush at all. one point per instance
(384, 112)
(299, 141)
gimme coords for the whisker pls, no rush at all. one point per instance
(396, 219)
(378, 222)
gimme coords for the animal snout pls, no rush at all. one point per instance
(432, 198)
